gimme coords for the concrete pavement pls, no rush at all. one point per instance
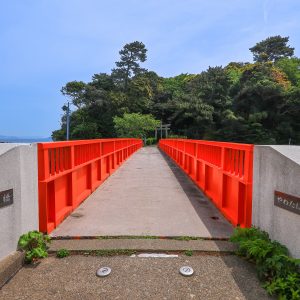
(74, 278)
(147, 195)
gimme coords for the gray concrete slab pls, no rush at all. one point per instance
(10, 265)
(289, 151)
(19, 172)
(277, 168)
(147, 195)
(74, 278)
(143, 245)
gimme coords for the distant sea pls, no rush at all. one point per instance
(15, 139)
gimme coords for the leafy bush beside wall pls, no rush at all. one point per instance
(35, 245)
(279, 272)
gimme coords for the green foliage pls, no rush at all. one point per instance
(234, 71)
(129, 237)
(175, 86)
(189, 252)
(135, 125)
(130, 56)
(113, 252)
(61, 253)
(177, 136)
(75, 91)
(278, 271)
(34, 244)
(150, 141)
(272, 49)
(241, 102)
(286, 288)
(291, 67)
(241, 234)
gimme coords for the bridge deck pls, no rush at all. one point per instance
(148, 195)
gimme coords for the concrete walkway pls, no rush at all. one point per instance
(74, 278)
(147, 195)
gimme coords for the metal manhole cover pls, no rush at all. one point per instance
(186, 271)
(76, 215)
(102, 272)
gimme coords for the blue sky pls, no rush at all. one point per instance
(46, 43)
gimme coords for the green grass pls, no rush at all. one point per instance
(130, 237)
(149, 237)
(110, 252)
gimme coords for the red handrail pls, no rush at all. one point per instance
(222, 170)
(68, 172)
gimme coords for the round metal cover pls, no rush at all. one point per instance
(186, 271)
(102, 272)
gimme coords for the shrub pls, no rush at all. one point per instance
(34, 244)
(274, 266)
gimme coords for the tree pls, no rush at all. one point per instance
(192, 116)
(74, 90)
(241, 102)
(272, 49)
(258, 101)
(291, 67)
(128, 66)
(135, 125)
(212, 87)
(102, 81)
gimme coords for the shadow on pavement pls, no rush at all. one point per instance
(214, 221)
(245, 277)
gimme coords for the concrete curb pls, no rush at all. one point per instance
(143, 245)
(10, 265)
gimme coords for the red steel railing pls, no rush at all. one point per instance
(70, 171)
(222, 170)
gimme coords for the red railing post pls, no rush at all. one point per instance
(43, 167)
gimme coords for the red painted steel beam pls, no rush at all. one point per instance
(68, 172)
(222, 170)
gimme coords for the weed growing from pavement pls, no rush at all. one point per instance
(189, 252)
(61, 253)
(130, 237)
(112, 252)
(35, 245)
(149, 237)
(187, 238)
(279, 272)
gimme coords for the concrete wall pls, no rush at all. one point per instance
(18, 171)
(277, 168)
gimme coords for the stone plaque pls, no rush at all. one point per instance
(288, 202)
(6, 198)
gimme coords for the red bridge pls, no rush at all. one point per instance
(70, 171)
